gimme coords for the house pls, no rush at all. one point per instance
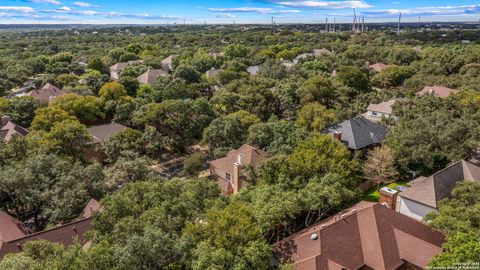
(302, 57)
(167, 63)
(116, 69)
(212, 72)
(439, 91)
(424, 193)
(103, 132)
(229, 171)
(253, 70)
(100, 134)
(151, 75)
(358, 133)
(365, 236)
(14, 234)
(10, 129)
(375, 112)
(378, 67)
(46, 94)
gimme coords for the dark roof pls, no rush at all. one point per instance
(368, 234)
(430, 190)
(11, 129)
(103, 132)
(359, 132)
(46, 93)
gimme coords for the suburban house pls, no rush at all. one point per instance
(313, 53)
(151, 75)
(9, 129)
(439, 91)
(46, 93)
(320, 52)
(253, 70)
(358, 133)
(375, 112)
(167, 63)
(116, 69)
(365, 236)
(14, 234)
(212, 72)
(378, 67)
(100, 134)
(230, 171)
(424, 193)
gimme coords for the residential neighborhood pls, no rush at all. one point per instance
(196, 145)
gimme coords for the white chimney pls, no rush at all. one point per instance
(240, 159)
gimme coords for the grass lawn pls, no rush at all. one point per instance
(372, 195)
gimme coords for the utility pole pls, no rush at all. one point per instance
(184, 22)
(326, 25)
(273, 25)
(363, 24)
(334, 25)
(399, 21)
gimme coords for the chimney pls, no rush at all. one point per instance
(337, 135)
(237, 166)
(388, 197)
(5, 120)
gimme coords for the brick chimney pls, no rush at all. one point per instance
(337, 135)
(5, 120)
(388, 197)
(237, 166)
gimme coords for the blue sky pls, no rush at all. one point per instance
(226, 11)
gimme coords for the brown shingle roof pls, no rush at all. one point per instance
(10, 228)
(13, 234)
(439, 91)
(251, 156)
(151, 75)
(430, 190)
(103, 132)
(368, 234)
(11, 129)
(46, 93)
(383, 107)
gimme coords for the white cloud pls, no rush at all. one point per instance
(53, 2)
(83, 4)
(314, 4)
(225, 15)
(254, 10)
(17, 9)
(65, 9)
(426, 11)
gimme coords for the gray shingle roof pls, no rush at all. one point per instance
(103, 132)
(430, 190)
(359, 132)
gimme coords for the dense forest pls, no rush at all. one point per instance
(179, 220)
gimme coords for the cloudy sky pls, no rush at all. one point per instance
(226, 11)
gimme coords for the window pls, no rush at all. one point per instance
(227, 175)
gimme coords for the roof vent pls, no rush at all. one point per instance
(354, 210)
(323, 226)
(314, 236)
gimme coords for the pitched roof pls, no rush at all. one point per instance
(119, 66)
(46, 93)
(359, 132)
(151, 75)
(103, 132)
(10, 228)
(382, 107)
(439, 91)
(91, 207)
(212, 72)
(251, 156)
(319, 52)
(65, 234)
(11, 129)
(378, 67)
(17, 235)
(430, 190)
(367, 234)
